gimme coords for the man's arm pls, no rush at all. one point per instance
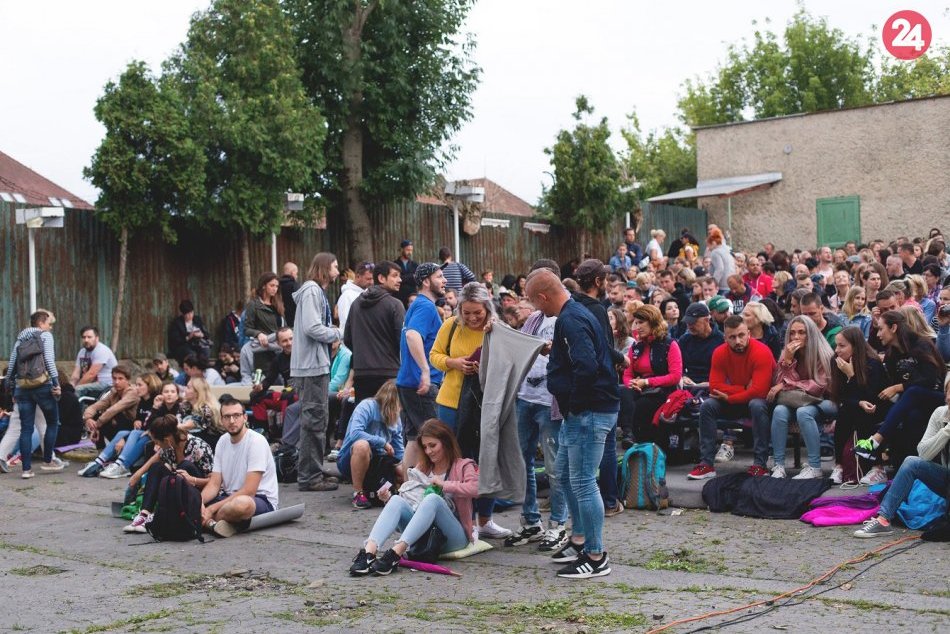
(251, 482)
(418, 352)
(211, 490)
(90, 375)
(73, 377)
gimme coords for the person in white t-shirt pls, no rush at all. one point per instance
(243, 479)
(92, 374)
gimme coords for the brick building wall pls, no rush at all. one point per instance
(895, 156)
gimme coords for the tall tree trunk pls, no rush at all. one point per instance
(246, 263)
(359, 230)
(120, 299)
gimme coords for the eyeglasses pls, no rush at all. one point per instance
(232, 416)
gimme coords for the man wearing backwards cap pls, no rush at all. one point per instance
(418, 382)
(407, 270)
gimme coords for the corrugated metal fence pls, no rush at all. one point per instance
(77, 267)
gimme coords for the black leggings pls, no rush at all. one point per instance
(636, 413)
(158, 472)
(850, 419)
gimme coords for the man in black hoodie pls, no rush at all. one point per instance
(289, 286)
(373, 329)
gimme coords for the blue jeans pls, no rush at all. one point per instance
(608, 471)
(398, 515)
(449, 416)
(713, 410)
(935, 476)
(135, 441)
(809, 418)
(581, 441)
(27, 400)
(534, 425)
(914, 405)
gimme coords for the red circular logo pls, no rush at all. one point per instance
(906, 35)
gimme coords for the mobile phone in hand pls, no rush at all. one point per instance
(386, 486)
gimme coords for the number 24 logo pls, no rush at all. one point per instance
(907, 35)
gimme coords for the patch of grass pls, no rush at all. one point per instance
(683, 560)
(37, 571)
(615, 620)
(626, 588)
(162, 590)
(138, 619)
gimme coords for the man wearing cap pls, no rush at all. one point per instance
(407, 271)
(720, 308)
(739, 380)
(697, 345)
(373, 330)
(161, 368)
(418, 382)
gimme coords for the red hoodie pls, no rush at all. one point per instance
(742, 376)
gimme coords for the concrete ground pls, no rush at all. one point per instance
(66, 566)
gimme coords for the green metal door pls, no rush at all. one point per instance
(839, 220)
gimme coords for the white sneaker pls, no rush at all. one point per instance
(726, 453)
(491, 530)
(837, 475)
(809, 473)
(333, 455)
(115, 471)
(55, 465)
(875, 476)
(778, 471)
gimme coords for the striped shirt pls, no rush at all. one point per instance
(49, 355)
(457, 275)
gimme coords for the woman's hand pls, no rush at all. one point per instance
(788, 354)
(846, 367)
(639, 384)
(463, 365)
(869, 408)
(436, 481)
(773, 393)
(890, 392)
(134, 481)
(262, 339)
(157, 401)
(385, 495)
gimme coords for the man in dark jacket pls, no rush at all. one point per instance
(373, 330)
(581, 376)
(263, 398)
(407, 272)
(289, 286)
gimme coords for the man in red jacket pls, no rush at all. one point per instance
(739, 380)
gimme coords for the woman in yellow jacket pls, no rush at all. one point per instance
(456, 351)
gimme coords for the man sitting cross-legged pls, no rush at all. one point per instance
(243, 480)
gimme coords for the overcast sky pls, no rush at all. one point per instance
(536, 56)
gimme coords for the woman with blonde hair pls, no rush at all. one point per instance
(200, 412)
(855, 310)
(916, 323)
(917, 293)
(779, 289)
(654, 249)
(759, 320)
(802, 389)
(655, 369)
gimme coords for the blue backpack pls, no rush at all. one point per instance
(644, 477)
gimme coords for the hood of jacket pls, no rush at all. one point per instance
(374, 294)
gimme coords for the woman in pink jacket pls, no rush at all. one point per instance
(802, 389)
(446, 502)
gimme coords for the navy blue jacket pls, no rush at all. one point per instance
(581, 374)
(697, 354)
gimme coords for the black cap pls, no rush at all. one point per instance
(424, 271)
(590, 270)
(696, 310)
(405, 243)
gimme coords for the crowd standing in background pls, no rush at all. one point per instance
(847, 347)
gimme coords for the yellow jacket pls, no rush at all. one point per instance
(465, 341)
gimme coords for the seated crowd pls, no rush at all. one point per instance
(846, 348)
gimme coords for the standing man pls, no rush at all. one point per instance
(456, 274)
(739, 381)
(417, 382)
(633, 249)
(243, 481)
(910, 265)
(373, 330)
(407, 273)
(93, 372)
(582, 378)
(353, 289)
(33, 378)
(826, 265)
(288, 286)
(314, 333)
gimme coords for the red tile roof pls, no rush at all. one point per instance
(17, 178)
(498, 200)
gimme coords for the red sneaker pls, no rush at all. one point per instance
(701, 472)
(756, 471)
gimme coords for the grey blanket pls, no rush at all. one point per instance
(507, 355)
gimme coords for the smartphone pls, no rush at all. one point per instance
(386, 486)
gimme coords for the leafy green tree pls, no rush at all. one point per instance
(586, 192)
(661, 161)
(147, 167)
(260, 134)
(925, 76)
(394, 80)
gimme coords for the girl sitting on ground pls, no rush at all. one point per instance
(177, 451)
(445, 502)
(200, 412)
(128, 444)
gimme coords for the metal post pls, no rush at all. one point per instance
(455, 214)
(729, 218)
(32, 249)
(273, 253)
(627, 220)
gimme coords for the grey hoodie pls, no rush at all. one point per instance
(313, 332)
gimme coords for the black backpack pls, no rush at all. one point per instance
(285, 460)
(177, 516)
(30, 363)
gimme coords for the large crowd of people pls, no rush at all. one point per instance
(847, 347)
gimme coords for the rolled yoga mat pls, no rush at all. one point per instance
(264, 520)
